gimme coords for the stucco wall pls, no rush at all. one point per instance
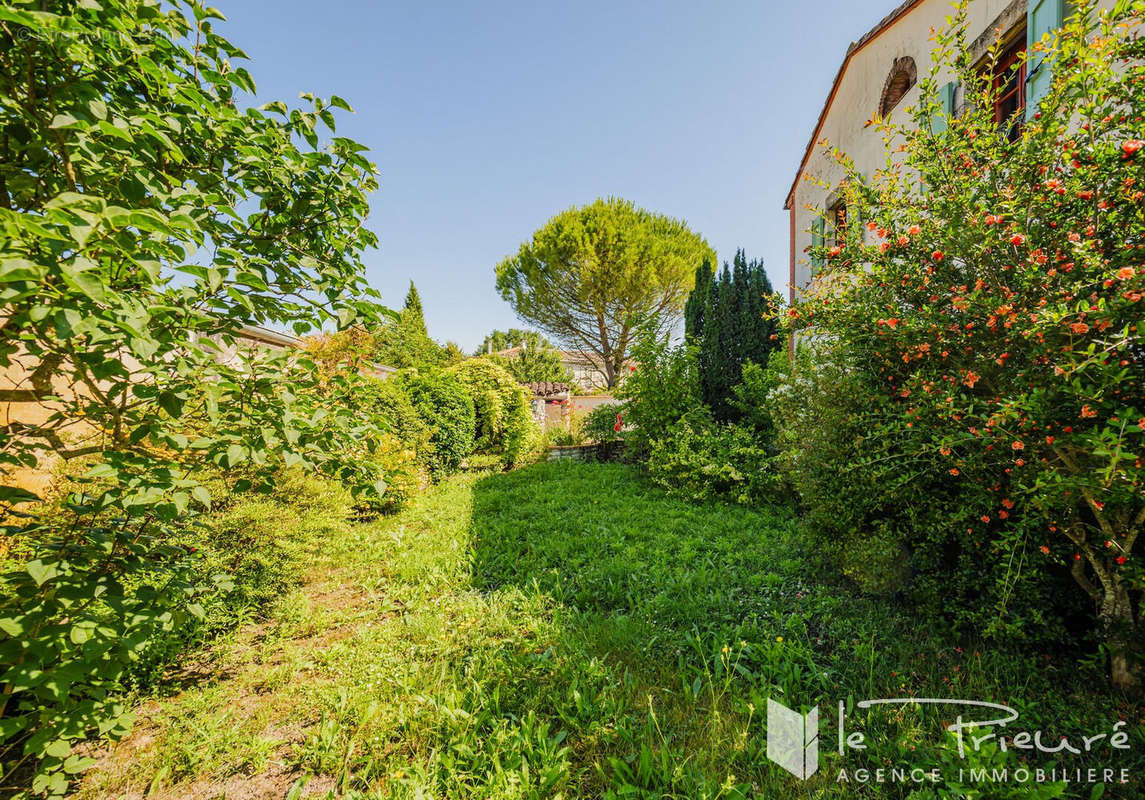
(857, 98)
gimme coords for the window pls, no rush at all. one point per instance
(838, 216)
(1009, 82)
(902, 77)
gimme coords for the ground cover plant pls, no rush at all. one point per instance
(568, 630)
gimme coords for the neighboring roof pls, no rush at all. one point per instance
(260, 334)
(854, 47)
(547, 389)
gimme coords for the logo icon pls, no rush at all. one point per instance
(793, 739)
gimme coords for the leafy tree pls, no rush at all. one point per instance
(147, 214)
(592, 274)
(514, 337)
(993, 324)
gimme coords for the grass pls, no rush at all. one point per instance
(568, 631)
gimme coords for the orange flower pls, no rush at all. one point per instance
(937, 255)
(1141, 423)
(1017, 445)
(1045, 549)
(954, 470)
(1079, 327)
(1087, 412)
(1125, 273)
(944, 450)
(970, 378)
(1017, 239)
(1007, 502)
(914, 230)
(1132, 146)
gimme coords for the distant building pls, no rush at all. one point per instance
(587, 371)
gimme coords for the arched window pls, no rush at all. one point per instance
(903, 75)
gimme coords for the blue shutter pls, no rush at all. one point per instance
(946, 100)
(817, 260)
(1042, 17)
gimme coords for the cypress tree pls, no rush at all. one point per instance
(412, 309)
(724, 320)
(696, 303)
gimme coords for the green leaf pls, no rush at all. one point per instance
(201, 494)
(41, 573)
(236, 454)
(63, 121)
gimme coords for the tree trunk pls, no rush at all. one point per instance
(1120, 627)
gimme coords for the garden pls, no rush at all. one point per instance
(343, 568)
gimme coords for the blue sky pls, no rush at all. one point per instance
(486, 118)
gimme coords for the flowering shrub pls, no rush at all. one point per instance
(599, 424)
(992, 322)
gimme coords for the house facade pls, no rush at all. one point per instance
(880, 74)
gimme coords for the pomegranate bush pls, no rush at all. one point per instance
(993, 319)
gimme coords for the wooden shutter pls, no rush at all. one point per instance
(817, 260)
(1042, 17)
(946, 99)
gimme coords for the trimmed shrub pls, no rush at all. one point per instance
(443, 402)
(504, 422)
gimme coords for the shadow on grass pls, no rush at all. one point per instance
(633, 567)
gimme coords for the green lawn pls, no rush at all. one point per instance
(567, 630)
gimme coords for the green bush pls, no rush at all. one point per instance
(700, 460)
(504, 421)
(444, 403)
(663, 388)
(393, 401)
(599, 424)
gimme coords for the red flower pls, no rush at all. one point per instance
(1132, 146)
(1121, 559)
(1141, 423)
(936, 255)
(1045, 549)
(1017, 239)
(1087, 412)
(1018, 446)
